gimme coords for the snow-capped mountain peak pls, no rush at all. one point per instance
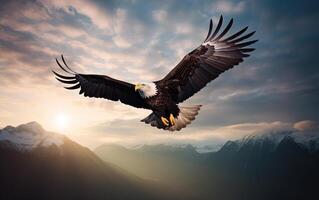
(28, 136)
(270, 141)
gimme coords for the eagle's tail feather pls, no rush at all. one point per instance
(186, 116)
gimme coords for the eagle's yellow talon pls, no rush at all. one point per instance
(172, 119)
(165, 121)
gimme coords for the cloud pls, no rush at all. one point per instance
(114, 131)
(136, 133)
(261, 128)
(100, 17)
(127, 31)
(70, 31)
(229, 7)
(237, 131)
(306, 125)
(142, 41)
(160, 15)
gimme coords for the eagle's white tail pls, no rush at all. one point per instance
(186, 116)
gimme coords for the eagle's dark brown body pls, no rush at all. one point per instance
(162, 103)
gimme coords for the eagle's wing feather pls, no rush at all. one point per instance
(216, 55)
(100, 86)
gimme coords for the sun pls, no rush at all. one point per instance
(61, 121)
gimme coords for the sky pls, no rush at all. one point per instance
(276, 88)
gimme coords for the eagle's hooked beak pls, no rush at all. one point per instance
(138, 86)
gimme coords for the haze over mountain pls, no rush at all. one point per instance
(36, 164)
(281, 165)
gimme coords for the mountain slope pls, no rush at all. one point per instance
(36, 164)
(280, 166)
(267, 168)
(164, 163)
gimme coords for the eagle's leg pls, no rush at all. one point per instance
(172, 119)
(165, 121)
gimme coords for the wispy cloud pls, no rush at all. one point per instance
(229, 7)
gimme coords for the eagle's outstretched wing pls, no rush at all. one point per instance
(100, 86)
(214, 56)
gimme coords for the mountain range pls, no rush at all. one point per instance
(37, 164)
(280, 165)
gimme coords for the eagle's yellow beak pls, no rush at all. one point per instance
(138, 86)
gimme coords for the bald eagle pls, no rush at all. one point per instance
(202, 65)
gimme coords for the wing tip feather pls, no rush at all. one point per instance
(73, 87)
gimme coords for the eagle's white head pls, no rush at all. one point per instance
(146, 90)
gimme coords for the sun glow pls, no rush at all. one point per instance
(61, 121)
